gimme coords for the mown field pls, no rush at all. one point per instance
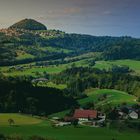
(18, 119)
(113, 97)
(44, 128)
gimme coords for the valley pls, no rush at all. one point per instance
(45, 129)
(46, 76)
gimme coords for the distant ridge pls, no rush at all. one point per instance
(28, 24)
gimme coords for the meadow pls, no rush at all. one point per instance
(45, 129)
(132, 64)
(52, 69)
(18, 119)
(113, 97)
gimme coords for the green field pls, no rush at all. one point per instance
(23, 55)
(52, 85)
(18, 119)
(58, 86)
(133, 64)
(45, 129)
(49, 69)
(56, 49)
(114, 97)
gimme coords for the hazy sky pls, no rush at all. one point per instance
(96, 17)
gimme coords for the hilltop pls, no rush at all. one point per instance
(28, 24)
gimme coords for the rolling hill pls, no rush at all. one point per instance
(36, 43)
(28, 24)
(79, 71)
(113, 97)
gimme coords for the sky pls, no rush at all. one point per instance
(95, 17)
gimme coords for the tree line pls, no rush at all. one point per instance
(80, 78)
(19, 95)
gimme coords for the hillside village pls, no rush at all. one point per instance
(94, 118)
(19, 32)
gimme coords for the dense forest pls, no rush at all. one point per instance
(19, 95)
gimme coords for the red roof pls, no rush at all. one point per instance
(85, 113)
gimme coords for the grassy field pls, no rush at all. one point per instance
(23, 55)
(56, 49)
(18, 119)
(58, 86)
(52, 85)
(114, 97)
(49, 69)
(133, 64)
(45, 129)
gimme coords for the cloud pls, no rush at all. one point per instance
(65, 11)
(61, 13)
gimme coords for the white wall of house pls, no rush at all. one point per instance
(83, 119)
(133, 115)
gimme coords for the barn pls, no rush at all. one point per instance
(85, 115)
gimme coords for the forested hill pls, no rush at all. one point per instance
(28, 24)
(30, 41)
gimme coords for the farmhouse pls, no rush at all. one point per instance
(40, 80)
(85, 115)
(133, 115)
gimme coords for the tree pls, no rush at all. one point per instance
(75, 122)
(11, 122)
(113, 114)
(2, 137)
(89, 105)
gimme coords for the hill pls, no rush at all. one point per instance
(112, 97)
(29, 41)
(28, 24)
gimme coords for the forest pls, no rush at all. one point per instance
(81, 78)
(110, 48)
(19, 95)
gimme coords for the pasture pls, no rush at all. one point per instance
(18, 119)
(31, 71)
(113, 97)
(45, 129)
(52, 69)
(132, 64)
